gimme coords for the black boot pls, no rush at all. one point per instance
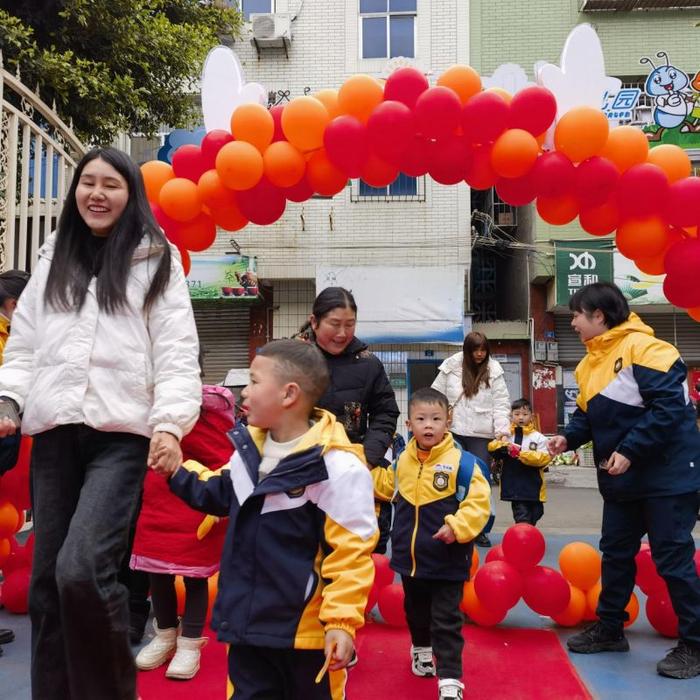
(137, 625)
(683, 661)
(6, 636)
(598, 637)
(483, 540)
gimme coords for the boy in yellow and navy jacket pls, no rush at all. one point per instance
(296, 568)
(442, 502)
(524, 456)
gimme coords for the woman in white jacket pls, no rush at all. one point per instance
(102, 362)
(476, 390)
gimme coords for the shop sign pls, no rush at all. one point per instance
(578, 263)
(637, 286)
(223, 277)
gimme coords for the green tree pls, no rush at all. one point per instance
(115, 65)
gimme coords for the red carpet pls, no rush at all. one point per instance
(499, 663)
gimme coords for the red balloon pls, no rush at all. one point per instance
(476, 610)
(480, 174)
(485, 117)
(681, 292)
(391, 129)
(300, 192)
(378, 173)
(682, 262)
(438, 111)
(415, 161)
(595, 179)
(450, 159)
(647, 577)
(661, 615)
(14, 485)
(600, 220)
(642, 190)
(405, 85)
(523, 546)
(495, 554)
(276, 113)
(498, 585)
(391, 605)
(186, 260)
(199, 234)
(347, 145)
(383, 573)
(211, 144)
(188, 162)
(532, 109)
(15, 591)
(683, 202)
(558, 210)
(553, 175)
(262, 204)
(517, 191)
(546, 591)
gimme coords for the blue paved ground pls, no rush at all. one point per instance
(607, 676)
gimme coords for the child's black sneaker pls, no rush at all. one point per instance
(683, 661)
(450, 689)
(483, 540)
(598, 637)
(422, 663)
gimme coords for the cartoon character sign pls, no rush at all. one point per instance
(673, 100)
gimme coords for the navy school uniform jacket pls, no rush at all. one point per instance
(297, 556)
(426, 496)
(522, 477)
(634, 400)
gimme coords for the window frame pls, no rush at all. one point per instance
(388, 14)
(247, 19)
(357, 196)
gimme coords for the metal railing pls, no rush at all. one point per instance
(38, 155)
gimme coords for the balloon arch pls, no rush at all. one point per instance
(455, 132)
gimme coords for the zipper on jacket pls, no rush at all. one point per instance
(415, 527)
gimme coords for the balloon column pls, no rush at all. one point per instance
(454, 132)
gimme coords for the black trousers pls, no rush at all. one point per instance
(261, 673)
(527, 511)
(435, 620)
(669, 522)
(86, 486)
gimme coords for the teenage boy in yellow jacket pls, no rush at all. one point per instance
(442, 503)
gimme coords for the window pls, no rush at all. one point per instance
(404, 189)
(387, 28)
(254, 6)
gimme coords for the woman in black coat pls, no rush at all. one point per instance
(360, 394)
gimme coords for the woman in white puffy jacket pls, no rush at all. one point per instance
(102, 363)
(476, 390)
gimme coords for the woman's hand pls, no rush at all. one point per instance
(556, 445)
(7, 427)
(164, 455)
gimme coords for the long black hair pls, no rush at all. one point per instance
(71, 268)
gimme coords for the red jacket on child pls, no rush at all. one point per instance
(166, 538)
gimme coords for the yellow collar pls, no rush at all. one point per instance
(436, 453)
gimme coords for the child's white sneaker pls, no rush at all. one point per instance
(450, 689)
(185, 663)
(422, 663)
(158, 650)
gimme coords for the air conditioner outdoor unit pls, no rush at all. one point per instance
(271, 31)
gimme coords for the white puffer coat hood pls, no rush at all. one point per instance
(129, 371)
(485, 414)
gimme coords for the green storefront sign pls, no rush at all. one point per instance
(223, 277)
(578, 263)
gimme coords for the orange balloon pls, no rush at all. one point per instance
(254, 124)
(378, 173)
(359, 95)
(284, 165)
(632, 607)
(694, 313)
(475, 563)
(581, 133)
(179, 198)
(642, 238)
(329, 99)
(651, 266)
(580, 563)
(199, 234)
(212, 589)
(5, 550)
(514, 153)
(626, 146)
(229, 217)
(212, 190)
(155, 174)
(180, 594)
(575, 610)
(503, 93)
(323, 176)
(304, 120)
(692, 231)
(240, 165)
(464, 80)
(9, 519)
(558, 210)
(673, 160)
(473, 607)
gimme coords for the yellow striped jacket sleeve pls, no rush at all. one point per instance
(384, 480)
(474, 510)
(208, 491)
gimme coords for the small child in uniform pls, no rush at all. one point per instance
(524, 456)
(296, 568)
(442, 503)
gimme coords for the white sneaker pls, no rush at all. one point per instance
(450, 689)
(185, 663)
(158, 650)
(422, 663)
